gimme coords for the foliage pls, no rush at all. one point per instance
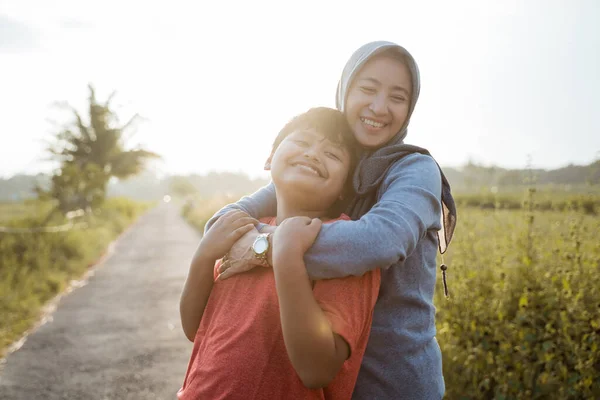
(27, 208)
(144, 186)
(78, 187)
(35, 266)
(181, 186)
(543, 201)
(523, 320)
(472, 176)
(90, 154)
(197, 210)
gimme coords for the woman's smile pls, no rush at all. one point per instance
(377, 104)
(372, 123)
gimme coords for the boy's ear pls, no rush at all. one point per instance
(268, 163)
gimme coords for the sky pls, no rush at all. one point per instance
(503, 82)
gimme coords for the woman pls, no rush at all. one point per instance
(402, 200)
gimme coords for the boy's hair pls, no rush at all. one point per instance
(329, 122)
(332, 124)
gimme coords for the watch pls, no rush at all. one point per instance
(260, 248)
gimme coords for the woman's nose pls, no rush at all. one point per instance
(378, 105)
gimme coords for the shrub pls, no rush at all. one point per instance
(197, 211)
(35, 266)
(522, 323)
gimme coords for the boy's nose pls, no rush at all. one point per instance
(312, 155)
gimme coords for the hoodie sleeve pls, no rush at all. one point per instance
(409, 206)
(260, 204)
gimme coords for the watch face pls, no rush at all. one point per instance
(261, 245)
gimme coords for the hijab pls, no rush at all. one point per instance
(374, 164)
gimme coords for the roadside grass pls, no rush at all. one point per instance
(36, 266)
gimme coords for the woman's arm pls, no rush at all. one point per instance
(409, 207)
(389, 232)
(259, 204)
(194, 297)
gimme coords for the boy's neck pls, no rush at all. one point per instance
(287, 209)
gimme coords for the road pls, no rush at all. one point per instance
(118, 336)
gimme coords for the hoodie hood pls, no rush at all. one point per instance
(360, 58)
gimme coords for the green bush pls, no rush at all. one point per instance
(35, 266)
(523, 320)
(543, 201)
(197, 211)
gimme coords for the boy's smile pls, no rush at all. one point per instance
(310, 166)
(309, 170)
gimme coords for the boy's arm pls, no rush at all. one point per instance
(260, 204)
(316, 343)
(389, 232)
(315, 350)
(196, 292)
(198, 285)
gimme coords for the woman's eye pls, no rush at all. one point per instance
(398, 99)
(367, 89)
(302, 143)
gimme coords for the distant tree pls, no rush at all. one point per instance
(513, 177)
(594, 173)
(90, 152)
(181, 186)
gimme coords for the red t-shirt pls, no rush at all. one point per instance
(239, 352)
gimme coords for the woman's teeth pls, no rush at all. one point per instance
(372, 123)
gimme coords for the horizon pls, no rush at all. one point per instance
(502, 82)
(265, 175)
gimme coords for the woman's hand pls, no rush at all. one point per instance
(241, 257)
(294, 235)
(227, 230)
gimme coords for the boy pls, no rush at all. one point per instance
(272, 333)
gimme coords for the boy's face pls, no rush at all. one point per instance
(311, 168)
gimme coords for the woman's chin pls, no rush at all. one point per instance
(369, 141)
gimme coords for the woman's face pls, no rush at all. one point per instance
(378, 101)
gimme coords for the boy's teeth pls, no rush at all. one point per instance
(372, 123)
(307, 168)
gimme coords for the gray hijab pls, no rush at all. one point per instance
(373, 165)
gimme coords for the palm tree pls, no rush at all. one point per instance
(90, 153)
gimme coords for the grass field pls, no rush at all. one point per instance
(35, 266)
(522, 321)
(523, 317)
(12, 211)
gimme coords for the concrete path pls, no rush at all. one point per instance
(119, 336)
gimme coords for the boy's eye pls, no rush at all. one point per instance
(333, 155)
(301, 142)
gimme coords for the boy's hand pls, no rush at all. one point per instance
(224, 233)
(294, 237)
